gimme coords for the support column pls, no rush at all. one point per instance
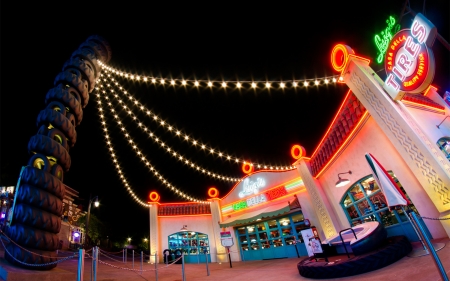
(216, 218)
(418, 152)
(322, 218)
(154, 237)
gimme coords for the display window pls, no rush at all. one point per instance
(272, 238)
(189, 242)
(364, 201)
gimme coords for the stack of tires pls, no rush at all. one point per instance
(36, 217)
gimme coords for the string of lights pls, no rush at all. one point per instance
(237, 84)
(172, 129)
(117, 164)
(157, 140)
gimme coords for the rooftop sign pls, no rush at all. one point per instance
(409, 63)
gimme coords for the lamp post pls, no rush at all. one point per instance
(96, 203)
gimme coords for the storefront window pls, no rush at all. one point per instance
(189, 242)
(272, 233)
(444, 146)
(364, 201)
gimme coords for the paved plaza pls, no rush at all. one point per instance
(411, 269)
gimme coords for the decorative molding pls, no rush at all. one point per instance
(402, 137)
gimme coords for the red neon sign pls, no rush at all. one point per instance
(409, 63)
(276, 192)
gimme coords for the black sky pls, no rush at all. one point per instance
(280, 41)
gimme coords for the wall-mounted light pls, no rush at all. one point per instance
(184, 228)
(342, 182)
(442, 121)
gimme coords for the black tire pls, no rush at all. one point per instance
(59, 137)
(370, 242)
(43, 180)
(36, 197)
(89, 55)
(47, 146)
(69, 97)
(40, 161)
(60, 122)
(57, 106)
(38, 258)
(58, 172)
(37, 218)
(393, 249)
(75, 79)
(101, 46)
(85, 68)
(34, 238)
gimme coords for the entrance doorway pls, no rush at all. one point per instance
(274, 238)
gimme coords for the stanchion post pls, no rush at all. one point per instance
(80, 270)
(206, 257)
(142, 260)
(123, 255)
(95, 265)
(156, 267)
(133, 259)
(436, 259)
(182, 267)
(126, 255)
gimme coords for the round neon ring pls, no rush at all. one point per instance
(339, 56)
(247, 168)
(297, 151)
(154, 196)
(213, 192)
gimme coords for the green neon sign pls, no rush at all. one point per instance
(382, 40)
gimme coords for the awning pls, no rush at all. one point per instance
(270, 211)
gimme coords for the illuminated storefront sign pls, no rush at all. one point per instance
(255, 200)
(276, 192)
(252, 187)
(409, 63)
(382, 40)
(265, 196)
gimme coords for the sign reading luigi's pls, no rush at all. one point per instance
(409, 63)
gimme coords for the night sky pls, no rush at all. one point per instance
(221, 41)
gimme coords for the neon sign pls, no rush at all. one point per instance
(409, 63)
(252, 187)
(276, 192)
(382, 40)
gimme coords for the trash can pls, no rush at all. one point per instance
(167, 256)
(178, 255)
